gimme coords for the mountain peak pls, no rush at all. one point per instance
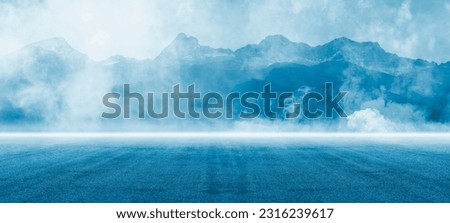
(183, 39)
(344, 41)
(275, 40)
(52, 44)
(341, 41)
(187, 48)
(181, 36)
(54, 47)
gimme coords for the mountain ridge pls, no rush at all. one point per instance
(59, 42)
(272, 49)
(38, 75)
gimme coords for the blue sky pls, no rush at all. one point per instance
(141, 28)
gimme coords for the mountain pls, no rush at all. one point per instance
(369, 55)
(187, 49)
(31, 77)
(49, 81)
(44, 58)
(275, 49)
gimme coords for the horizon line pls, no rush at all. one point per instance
(225, 134)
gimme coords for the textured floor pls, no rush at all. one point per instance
(150, 171)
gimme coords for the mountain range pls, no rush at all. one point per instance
(50, 82)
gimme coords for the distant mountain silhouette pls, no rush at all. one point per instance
(401, 89)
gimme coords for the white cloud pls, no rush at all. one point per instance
(369, 120)
(404, 13)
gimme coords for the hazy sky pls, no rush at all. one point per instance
(143, 28)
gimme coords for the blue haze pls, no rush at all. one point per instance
(48, 85)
